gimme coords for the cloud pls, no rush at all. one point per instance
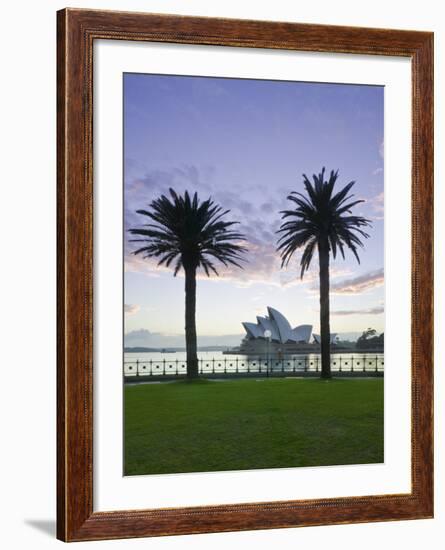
(140, 337)
(137, 264)
(377, 205)
(370, 311)
(144, 338)
(267, 207)
(382, 149)
(258, 220)
(291, 276)
(255, 207)
(377, 171)
(358, 285)
(378, 202)
(130, 309)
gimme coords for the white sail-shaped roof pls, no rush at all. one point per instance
(266, 324)
(282, 324)
(279, 327)
(302, 333)
(253, 330)
(317, 338)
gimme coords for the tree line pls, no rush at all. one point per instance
(371, 340)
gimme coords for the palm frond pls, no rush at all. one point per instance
(190, 233)
(319, 216)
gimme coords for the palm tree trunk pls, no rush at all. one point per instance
(190, 322)
(325, 331)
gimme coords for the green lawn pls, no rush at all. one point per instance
(249, 424)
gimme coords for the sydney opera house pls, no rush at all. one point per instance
(275, 328)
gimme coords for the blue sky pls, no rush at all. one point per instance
(246, 143)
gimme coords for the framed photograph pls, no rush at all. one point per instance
(245, 231)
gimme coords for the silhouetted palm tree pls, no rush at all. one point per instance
(321, 220)
(189, 234)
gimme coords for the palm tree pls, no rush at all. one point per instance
(189, 234)
(321, 220)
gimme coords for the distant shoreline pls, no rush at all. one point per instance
(309, 352)
(235, 352)
(137, 349)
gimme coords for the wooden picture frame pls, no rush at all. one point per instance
(77, 31)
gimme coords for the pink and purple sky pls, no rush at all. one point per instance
(246, 143)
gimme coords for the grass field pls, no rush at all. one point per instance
(249, 424)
